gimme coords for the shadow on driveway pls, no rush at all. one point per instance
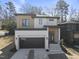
(57, 56)
(7, 52)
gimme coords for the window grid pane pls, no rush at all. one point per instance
(40, 21)
(25, 23)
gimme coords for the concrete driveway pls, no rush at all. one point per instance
(54, 53)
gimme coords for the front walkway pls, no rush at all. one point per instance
(55, 52)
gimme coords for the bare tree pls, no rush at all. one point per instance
(27, 8)
(74, 15)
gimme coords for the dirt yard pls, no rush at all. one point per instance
(73, 53)
(5, 41)
(6, 47)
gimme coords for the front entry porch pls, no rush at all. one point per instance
(54, 35)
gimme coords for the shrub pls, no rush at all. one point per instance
(9, 25)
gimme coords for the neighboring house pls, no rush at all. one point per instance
(36, 31)
(70, 32)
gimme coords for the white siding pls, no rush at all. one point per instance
(36, 22)
(45, 21)
(54, 22)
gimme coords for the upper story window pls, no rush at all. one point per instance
(51, 19)
(25, 23)
(40, 21)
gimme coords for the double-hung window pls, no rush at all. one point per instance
(25, 23)
(40, 21)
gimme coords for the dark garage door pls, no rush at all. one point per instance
(32, 42)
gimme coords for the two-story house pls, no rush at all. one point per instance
(36, 31)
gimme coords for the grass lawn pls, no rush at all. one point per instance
(6, 40)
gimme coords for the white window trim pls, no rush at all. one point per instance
(25, 23)
(40, 21)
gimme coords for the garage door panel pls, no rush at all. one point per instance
(32, 42)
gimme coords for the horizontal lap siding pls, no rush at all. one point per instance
(20, 18)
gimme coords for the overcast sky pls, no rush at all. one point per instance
(42, 3)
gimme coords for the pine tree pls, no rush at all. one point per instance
(62, 9)
(10, 9)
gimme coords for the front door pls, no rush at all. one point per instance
(51, 37)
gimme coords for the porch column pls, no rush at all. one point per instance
(47, 40)
(59, 36)
(17, 42)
